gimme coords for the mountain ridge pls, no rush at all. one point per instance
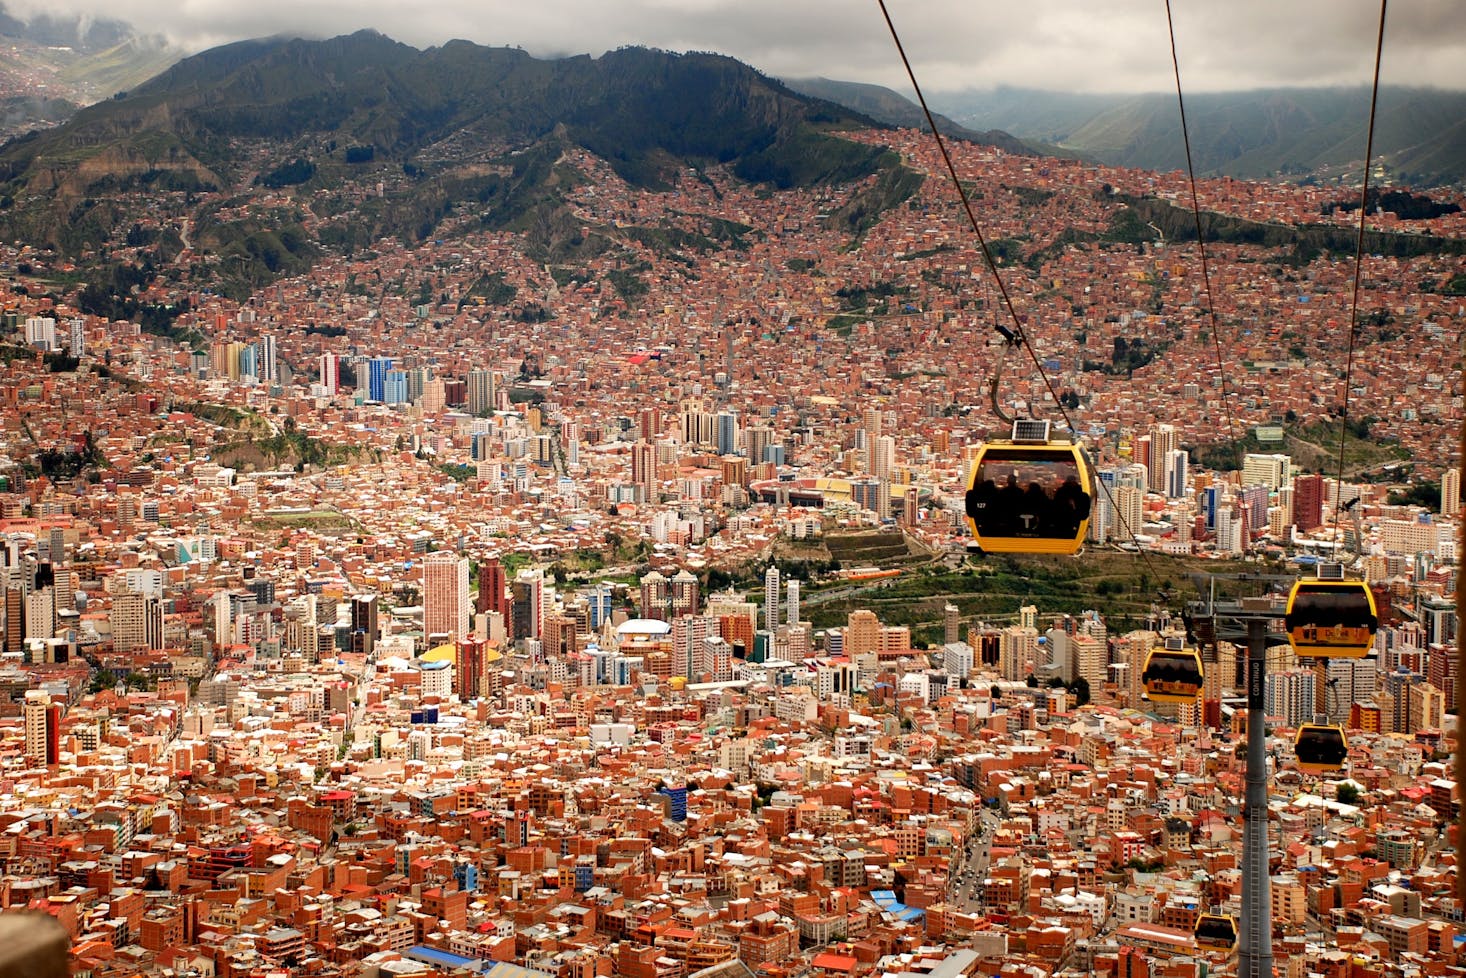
(367, 87)
(291, 126)
(1282, 133)
(55, 64)
(894, 109)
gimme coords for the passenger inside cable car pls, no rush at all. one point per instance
(1027, 493)
(1321, 748)
(1172, 675)
(1216, 930)
(1331, 618)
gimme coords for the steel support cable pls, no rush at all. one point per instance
(1019, 332)
(1211, 305)
(1379, 47)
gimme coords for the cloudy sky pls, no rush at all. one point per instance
(1067, 45)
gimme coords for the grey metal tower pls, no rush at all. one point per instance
(1212, 619)
(1255, 942)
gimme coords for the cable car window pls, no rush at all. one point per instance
(1331, 609)
(1331, 618)
(1216, 930)
(1172, 677)
(1029, 492)
(1321, 746)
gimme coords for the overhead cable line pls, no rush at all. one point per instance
(1379, 46)
(1018, 335)
(1216, 340)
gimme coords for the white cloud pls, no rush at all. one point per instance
(1076, 45)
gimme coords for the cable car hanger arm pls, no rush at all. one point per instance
(1011, 341)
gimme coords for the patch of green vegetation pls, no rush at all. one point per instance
(1007, 249)
(60, 464)
(569, 276)
(266, 253)
(1031, 196)
(1178, 223)
(220, 414)
(114, 297)
(1119, 586)
(60, 362)
(1316, 447)
(1069, 236)
(513, 563)
(296, 444)
(1313, 448)
(1427, 494)
(294, 173)
(458, 471)
(155, 180)
(731, 233)
(1129, 227)
(1128, 356)
(627, 283)
(492, 289)
(671, 242)
(807, 158)
(318, 519)
(870, 298)
(895, 185)
(926, 252)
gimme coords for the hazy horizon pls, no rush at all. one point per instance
(1109, 47)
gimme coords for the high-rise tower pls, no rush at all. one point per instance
(771, 598)
(480, 392)
(446, 610)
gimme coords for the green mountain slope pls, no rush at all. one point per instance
(78, 60)
(630, 106)
(1420, 134)
(275, 149)
(894, 109)
(106, 71)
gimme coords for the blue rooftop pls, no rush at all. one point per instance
(434, 956)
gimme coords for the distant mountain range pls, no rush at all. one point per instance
(76, 32)
(1295, 134)
(270, 152)
(452, 125)
(55, 64)
(895, 109)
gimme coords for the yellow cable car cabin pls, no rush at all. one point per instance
(1216, 930)
(1328, 618)
(1173, 673)
(1031, 494)
(1321, 748)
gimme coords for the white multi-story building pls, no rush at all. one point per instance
(771, 598)
(1265, 470)
(446, 608)
(957, 659)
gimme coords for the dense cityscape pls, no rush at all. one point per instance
(441, 610)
